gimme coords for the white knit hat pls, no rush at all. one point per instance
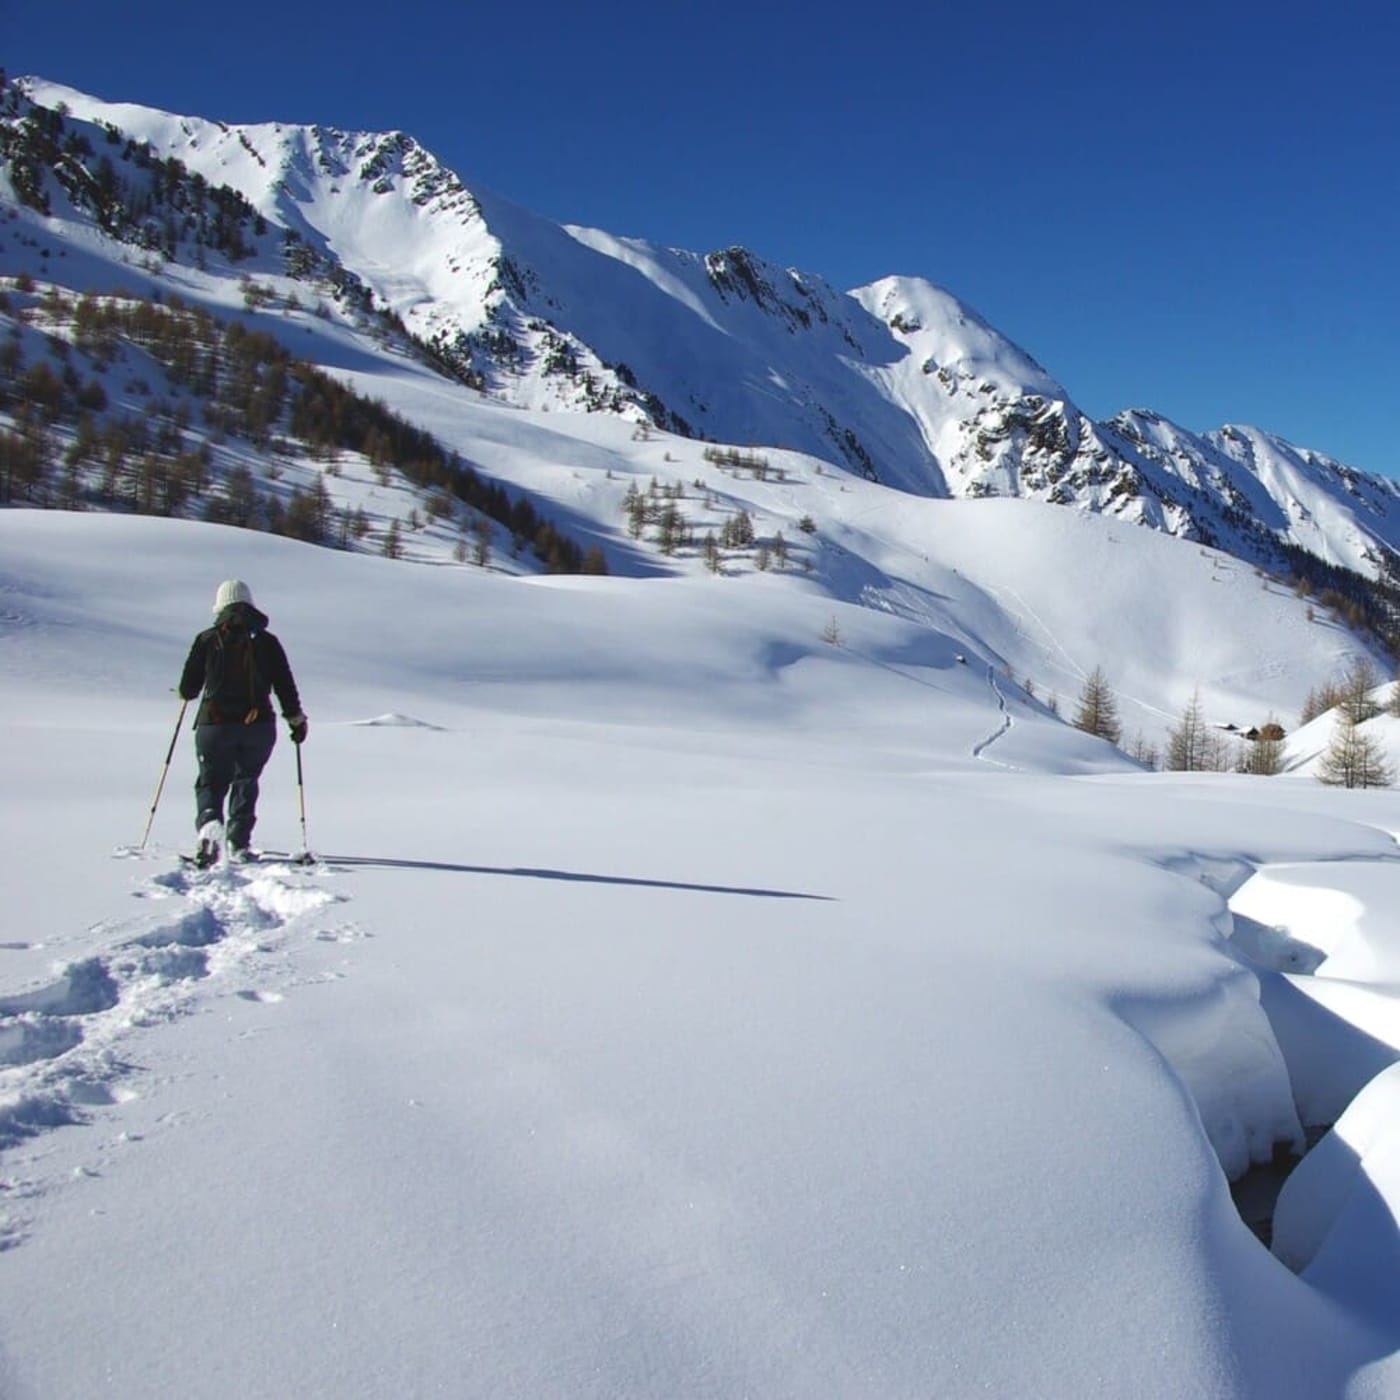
(232, 590)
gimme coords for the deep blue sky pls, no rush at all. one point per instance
(1189, 207)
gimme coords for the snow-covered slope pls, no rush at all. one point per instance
(898, 381)
(687, 1004)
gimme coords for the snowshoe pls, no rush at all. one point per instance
(211, 840)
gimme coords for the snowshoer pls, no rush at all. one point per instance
(237, 663)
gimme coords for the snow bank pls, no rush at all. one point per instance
(1220, 1045)
(1336, 1220)
(1331, 935)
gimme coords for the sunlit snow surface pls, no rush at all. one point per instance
(685, 1005)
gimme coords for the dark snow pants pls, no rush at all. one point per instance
(231, 759)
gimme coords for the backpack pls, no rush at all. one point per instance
(234, 687)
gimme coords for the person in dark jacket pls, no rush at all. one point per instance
(237, 664)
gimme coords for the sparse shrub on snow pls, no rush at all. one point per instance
(1144, 752)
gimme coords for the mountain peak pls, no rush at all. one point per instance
(947, 333)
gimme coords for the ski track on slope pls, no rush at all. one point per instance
(60, 1043)
(1025, 610)
(1075, 668)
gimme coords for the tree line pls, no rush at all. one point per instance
(1354, 757)
(226, 382)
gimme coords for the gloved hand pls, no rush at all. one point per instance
(299, 725)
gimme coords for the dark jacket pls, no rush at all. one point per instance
(237, 663)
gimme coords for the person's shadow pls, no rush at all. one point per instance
(523, 872)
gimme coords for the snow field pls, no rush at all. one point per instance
(685, 1007)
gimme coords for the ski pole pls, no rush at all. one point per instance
(301, 805)
(160, 786)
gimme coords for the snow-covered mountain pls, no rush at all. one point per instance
(899, 381)
(732, 976)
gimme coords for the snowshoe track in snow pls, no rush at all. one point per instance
(28, 1039)
(83, 989)
(1004, 728)
(60, 1041)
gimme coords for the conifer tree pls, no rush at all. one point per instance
(1193, 746)
(1264, 756)
(714, 561)
(1354, 758)
(1356, 687)
(1098, 709)
(634, 507)
(481, 534)
(1320, 699)
(670, 531)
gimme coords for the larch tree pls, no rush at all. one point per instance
(1263, 756)
(1356, 687)
(1354, 758)
(1193, 746)
(1098, 709)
